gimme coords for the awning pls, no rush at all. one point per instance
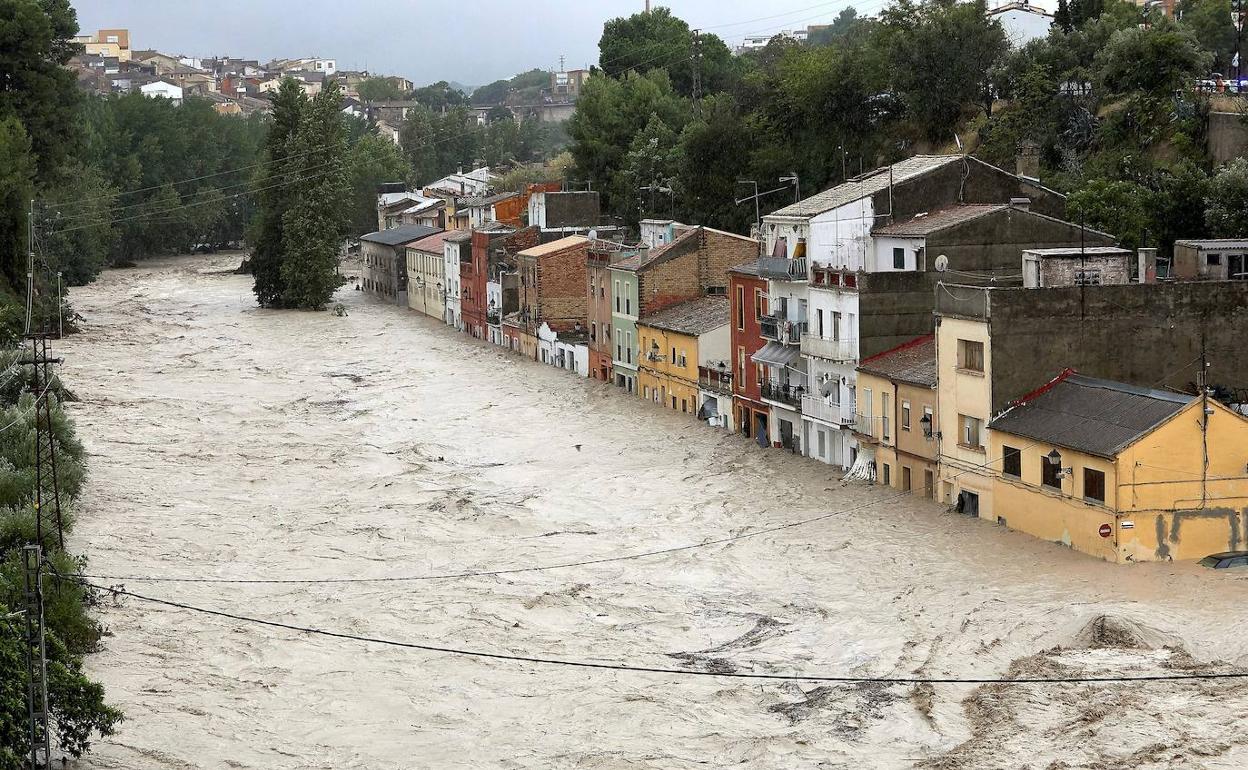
(777, 355)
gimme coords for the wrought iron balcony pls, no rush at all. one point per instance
(843, 351)
(715, 381)
(780, 269)
(783, 393)
(776, 327)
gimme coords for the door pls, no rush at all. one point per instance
(760, 429)
(905, 478)
(929, 484)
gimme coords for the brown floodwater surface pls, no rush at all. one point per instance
(232, 442)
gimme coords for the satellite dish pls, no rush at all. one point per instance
(942, 263)
(593, 235)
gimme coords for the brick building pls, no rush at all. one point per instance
(552, 287)
(694, 264)
(493, 249)
(601, 255)
(747, 292)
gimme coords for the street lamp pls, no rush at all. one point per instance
(1055, 460)
(926, 424)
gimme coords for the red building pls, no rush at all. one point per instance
(493, 256)
(748, 295)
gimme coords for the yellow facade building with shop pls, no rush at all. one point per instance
(675, 343)
(1122, 473)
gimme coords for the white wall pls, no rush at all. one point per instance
(454, 308)
(715, 346)
(841, 237)
(883, 254)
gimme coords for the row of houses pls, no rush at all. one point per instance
(935, 326)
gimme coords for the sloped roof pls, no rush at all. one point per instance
(399, 235)
(913, 362)
(694, 317)
(487, 200)
(746, 268)
(1098, 417)
(924, 224)
(554, 246)
(644, 259)
(867, 184)
(433, 243)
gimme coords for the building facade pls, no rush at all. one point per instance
(457, 250)
(426, 276)
(678, 343)
(897, 401)
(385, 261)
(747, 293)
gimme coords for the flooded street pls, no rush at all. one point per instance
(231, 442)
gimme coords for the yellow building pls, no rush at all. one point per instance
(1122, 473)
(675, 343)
(897, 403)
(107, 42)
(964, 373)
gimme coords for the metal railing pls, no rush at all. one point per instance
(716, 382)
(779, 268)
(832, 350)
(818, 408)
(779, 329)
(493, 317)
(783, 393)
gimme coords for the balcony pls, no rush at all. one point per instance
(843, 351)
(818, 408)
(780, 269)
(777, 328)
(493, 317)
(864, 427)
(715, 381)
(783, 393)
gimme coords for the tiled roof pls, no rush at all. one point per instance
(914, 363)
(926, 223)
(646, 258)
(487, 200)
(554, 246)
(432, 244)
(746, 268)
(399, 235)
(1098, 417)
(867, 184)
(694, 317)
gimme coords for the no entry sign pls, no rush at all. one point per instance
(1106, 530)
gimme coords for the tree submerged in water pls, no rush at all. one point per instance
(301, 222)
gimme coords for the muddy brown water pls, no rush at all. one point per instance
(232, 442)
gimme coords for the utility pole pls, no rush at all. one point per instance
(697, 71)
(797, 185)
(30, 263)
(36, 660)
(47, 483)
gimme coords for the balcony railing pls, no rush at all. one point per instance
(715, 382)
(781, 330)
(818, 408)
(864, 425)
(493, 317)
(783, 393)
(845, 351)
(780, 269)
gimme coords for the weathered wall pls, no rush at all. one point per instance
(571, 209)
(894, 308)
(1227, 137)
(996, 242)
(1146, 334)
(561, 280)
(983, 184)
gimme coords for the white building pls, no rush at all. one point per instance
(494, 310)
(457, 247)
(1022, 21)
(162, 90)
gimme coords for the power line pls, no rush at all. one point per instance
(514, 658)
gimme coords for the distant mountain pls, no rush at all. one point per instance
(525, 88)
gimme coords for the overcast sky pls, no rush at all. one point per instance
(474, 42)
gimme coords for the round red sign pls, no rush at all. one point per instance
(1106, 530)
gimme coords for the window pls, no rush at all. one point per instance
(836, 325)
(617, 296)
(645, 391)
(1012, 462)
(593, 331)
(1050, 474)
(1089, 277)
(683, 361)
(673, 403)
(740, 368)
(684, 405)
(899, 259)
(619, 349)
(741, 308)
(759, 312)
(970, 356)
(628, 301)
(1093, 486)
(1213, 259)
(972, 429)
(628, 350)
(884, 416)
(819, 322)
(905, 415)
(673, 358)
(761, 372)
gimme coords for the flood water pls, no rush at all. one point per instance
(231, 442)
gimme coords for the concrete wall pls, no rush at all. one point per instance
(1144, 334)
(972, 182)
(996, 242)
(1227, 137)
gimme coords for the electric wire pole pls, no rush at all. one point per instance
(48, 520)
(36, 660)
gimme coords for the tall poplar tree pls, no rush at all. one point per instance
(315, 224)
(274, 194)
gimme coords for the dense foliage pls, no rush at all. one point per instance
(438, 143)
(1108, 98)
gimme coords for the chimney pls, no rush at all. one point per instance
(1027, 162)
(1146, 266)
(1020, 203)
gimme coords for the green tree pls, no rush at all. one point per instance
(651, 162)
(379, 90)
(1062, 18)
(1211, 22)
(1226, 207)
(659, 40)
(439, 96)
(940, 58)
(17, 178)
(1120, 208)
(314, 225)
(1156, 60)
(275, 194)
(373, 160)
(80, 247)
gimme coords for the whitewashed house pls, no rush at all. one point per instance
(162, 90)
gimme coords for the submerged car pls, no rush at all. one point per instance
(1226, 560)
